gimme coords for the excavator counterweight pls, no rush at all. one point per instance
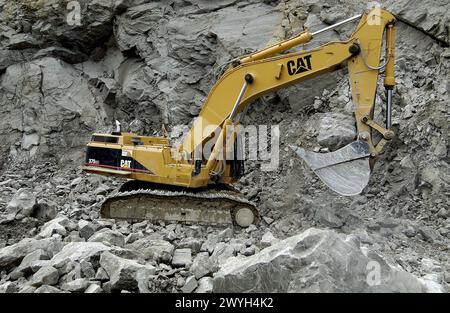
(184, 184)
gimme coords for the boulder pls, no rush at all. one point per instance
(47, 275)
(93, 288)
(205, 285)
(190, 285)
(11, 256)
(223, 252)
(45, 210)
(29, 261)
(327, 217)
(123, 273)
(47, 289)
(155, 250)
(23, 202)
(27, 289)
(336, 130)
(77, 285)
(313, 261)
(182, 258)
(54, 226)
(268, 239)
(101, 274)
(77, 251)
(109, 236)
(86, 229)
(8, 287)
(202, 265)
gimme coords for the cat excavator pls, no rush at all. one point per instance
(191, 184)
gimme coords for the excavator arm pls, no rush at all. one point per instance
(265, 71)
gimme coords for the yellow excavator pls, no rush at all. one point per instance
(186, 183)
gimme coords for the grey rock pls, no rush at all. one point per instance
(101, 274)
(205, 285)
(190, 285)
(192, 243)
(225, 234)
(77, 251)
(73, 270)
(429, 234)
(26, 266)
(45, 210)
(202, 265)
(93, 288)
(47, 275)
(54, 226)
(27, 289)
(156, 250)
(23, 202)
(87, 269)
(248, 251)
(8, 287)
(74, 237)
(11, 256)
(315, 260)
(86, 229)
(268, 239)
(182, 258)
(431, 18)
(77, 285)
(210, 243)
(143, 277)
(112, 237)
(410, 231)
(21, 41)
(123, 272)
(47, 289)
(223, 252)
(433, 283)
(327, 217)
(336, 130)
(430, 266)
(300, 96)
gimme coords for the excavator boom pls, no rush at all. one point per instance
(163, 166)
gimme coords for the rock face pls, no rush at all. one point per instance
(314, 261)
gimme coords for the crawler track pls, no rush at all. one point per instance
(220, 205)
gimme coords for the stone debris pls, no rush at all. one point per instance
(109, 236)
(190, 285)
(123, 273)
(182, 258)
(47, 275)
(24, 203)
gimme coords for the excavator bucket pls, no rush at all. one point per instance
(346, 171)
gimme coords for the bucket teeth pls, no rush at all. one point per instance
(345, 171)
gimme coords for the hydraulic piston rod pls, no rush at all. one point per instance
(292, 42)
(336, 25)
